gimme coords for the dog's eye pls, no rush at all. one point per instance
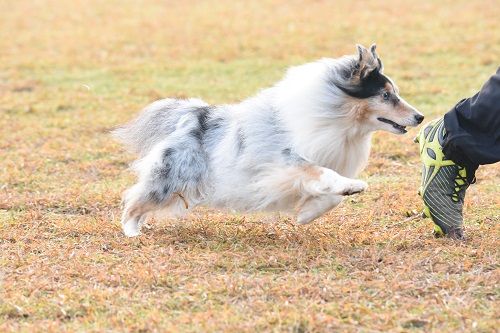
(386, 95)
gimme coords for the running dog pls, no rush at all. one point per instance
(294, 147)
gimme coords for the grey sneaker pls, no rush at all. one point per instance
(443, 182)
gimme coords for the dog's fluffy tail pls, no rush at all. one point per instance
(154, 124)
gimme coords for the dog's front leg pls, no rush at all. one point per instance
(329, 182)
(326, 192)
(311, 188)
(314, 207)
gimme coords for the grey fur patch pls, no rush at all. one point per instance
(215, 132)
(182, 165)
(182, 169)
(154, 124)
(292, 158)
(240, 141)
(202, 115)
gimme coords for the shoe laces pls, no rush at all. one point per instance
(460, 184)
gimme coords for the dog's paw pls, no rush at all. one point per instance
(328, 183)
(355, 186)
(131, 229)
(320, 187)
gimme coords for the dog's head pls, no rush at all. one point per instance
(374, 95)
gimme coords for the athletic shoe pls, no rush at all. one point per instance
(443, 182)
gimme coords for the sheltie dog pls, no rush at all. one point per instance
(294, 147)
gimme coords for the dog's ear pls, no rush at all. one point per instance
(373, 51)
(362, 53)
(367, 62)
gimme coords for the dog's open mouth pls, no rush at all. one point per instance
(400, 128)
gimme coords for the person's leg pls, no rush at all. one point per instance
(473, 127)
(451, 150)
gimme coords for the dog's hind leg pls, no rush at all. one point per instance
(132, 220)
(141, 201)
(171, 179)
(136, 206)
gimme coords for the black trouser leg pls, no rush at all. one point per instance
(473, 128)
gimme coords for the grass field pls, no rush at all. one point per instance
(72, 70)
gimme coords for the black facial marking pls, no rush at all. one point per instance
(390, 97)
(394, 99)
(372, 85)
(286, 152)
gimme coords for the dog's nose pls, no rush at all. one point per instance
(419, 118)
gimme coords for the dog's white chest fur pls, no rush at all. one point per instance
(346, 155)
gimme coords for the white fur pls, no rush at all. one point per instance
(304, 114)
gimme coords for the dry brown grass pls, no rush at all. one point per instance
(71, 70)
